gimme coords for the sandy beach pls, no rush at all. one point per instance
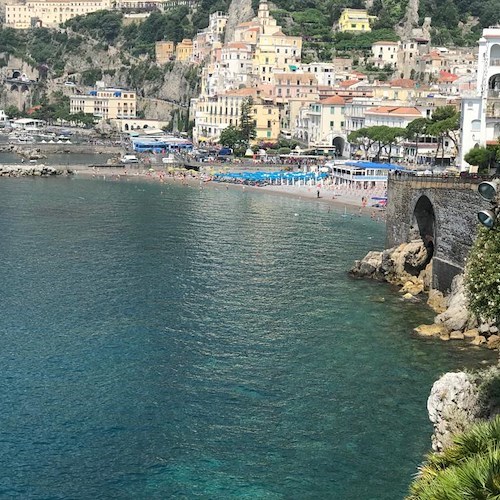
(334, 195)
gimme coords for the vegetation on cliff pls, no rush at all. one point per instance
(470, 468)
(457, 22)
(482, 275)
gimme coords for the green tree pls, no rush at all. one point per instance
(247, 126)
(414, 130)
(385, 137)
(468, 469)
(231, 137)
(380, 136)
(12, 112)
(362, 139)
(481, 157)
(482, 275)
(444, 123)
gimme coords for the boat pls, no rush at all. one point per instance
(21, 138)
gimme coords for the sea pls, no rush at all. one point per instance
(164, 341)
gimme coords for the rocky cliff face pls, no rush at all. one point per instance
(239, 11)
(171, 88)
(452, 405)
(408, 267)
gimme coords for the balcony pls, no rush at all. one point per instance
(494, 62)
(493, 94)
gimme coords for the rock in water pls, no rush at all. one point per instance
(457, 316)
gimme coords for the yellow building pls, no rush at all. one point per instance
(164, 51)
(214, 114)
(106, 103)
(184, 50)
(25, 14)
(275, 52)
(355, 20)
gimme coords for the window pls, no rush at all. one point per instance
(331, 124)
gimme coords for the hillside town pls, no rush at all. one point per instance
(321, 106)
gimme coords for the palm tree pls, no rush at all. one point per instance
(468, 469)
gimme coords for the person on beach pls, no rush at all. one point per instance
(317, 193)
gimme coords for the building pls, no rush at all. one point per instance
(214, 114)
(480, 114)
(355, 21)
(164, 51)
(324, 73)
(105, 103)
(410, 54)
(150, 5)
(321, 125)
(184, 50)
(295, 85)
(25, 14)
(384, 54)
(207, 39)
(391, 116)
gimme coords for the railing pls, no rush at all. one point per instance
(494, 62)
(443, 181)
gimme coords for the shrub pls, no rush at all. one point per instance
(482, 275)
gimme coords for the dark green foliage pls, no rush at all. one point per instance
(468, 469)
(90, 76)
(481, 157)
(101, 25)
(482, 275)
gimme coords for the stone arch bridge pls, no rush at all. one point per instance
(442, 211)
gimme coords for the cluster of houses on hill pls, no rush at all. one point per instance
(317, 103)
(320, 104)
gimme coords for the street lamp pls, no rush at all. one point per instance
(488, 190)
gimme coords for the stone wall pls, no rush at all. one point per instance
(455, 203)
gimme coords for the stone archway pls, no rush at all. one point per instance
(424, 223)
(494, 82)
(339, 145)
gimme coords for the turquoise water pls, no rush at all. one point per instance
(169, 342)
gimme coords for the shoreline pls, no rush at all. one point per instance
(328, 193)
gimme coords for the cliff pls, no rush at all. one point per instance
(239, 11)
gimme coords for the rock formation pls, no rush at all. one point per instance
(409, 267)
(29, 170)
(452, 405)
(405, 266)
(239, 11)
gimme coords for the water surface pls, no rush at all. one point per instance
(163, 341)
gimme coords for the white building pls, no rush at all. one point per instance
(481, 108)
(324, 73)
(385, 54)
(321, 125)
(24, 14)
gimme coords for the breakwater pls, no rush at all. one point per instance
(32, 170)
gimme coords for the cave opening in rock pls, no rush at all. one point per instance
(424, 225)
